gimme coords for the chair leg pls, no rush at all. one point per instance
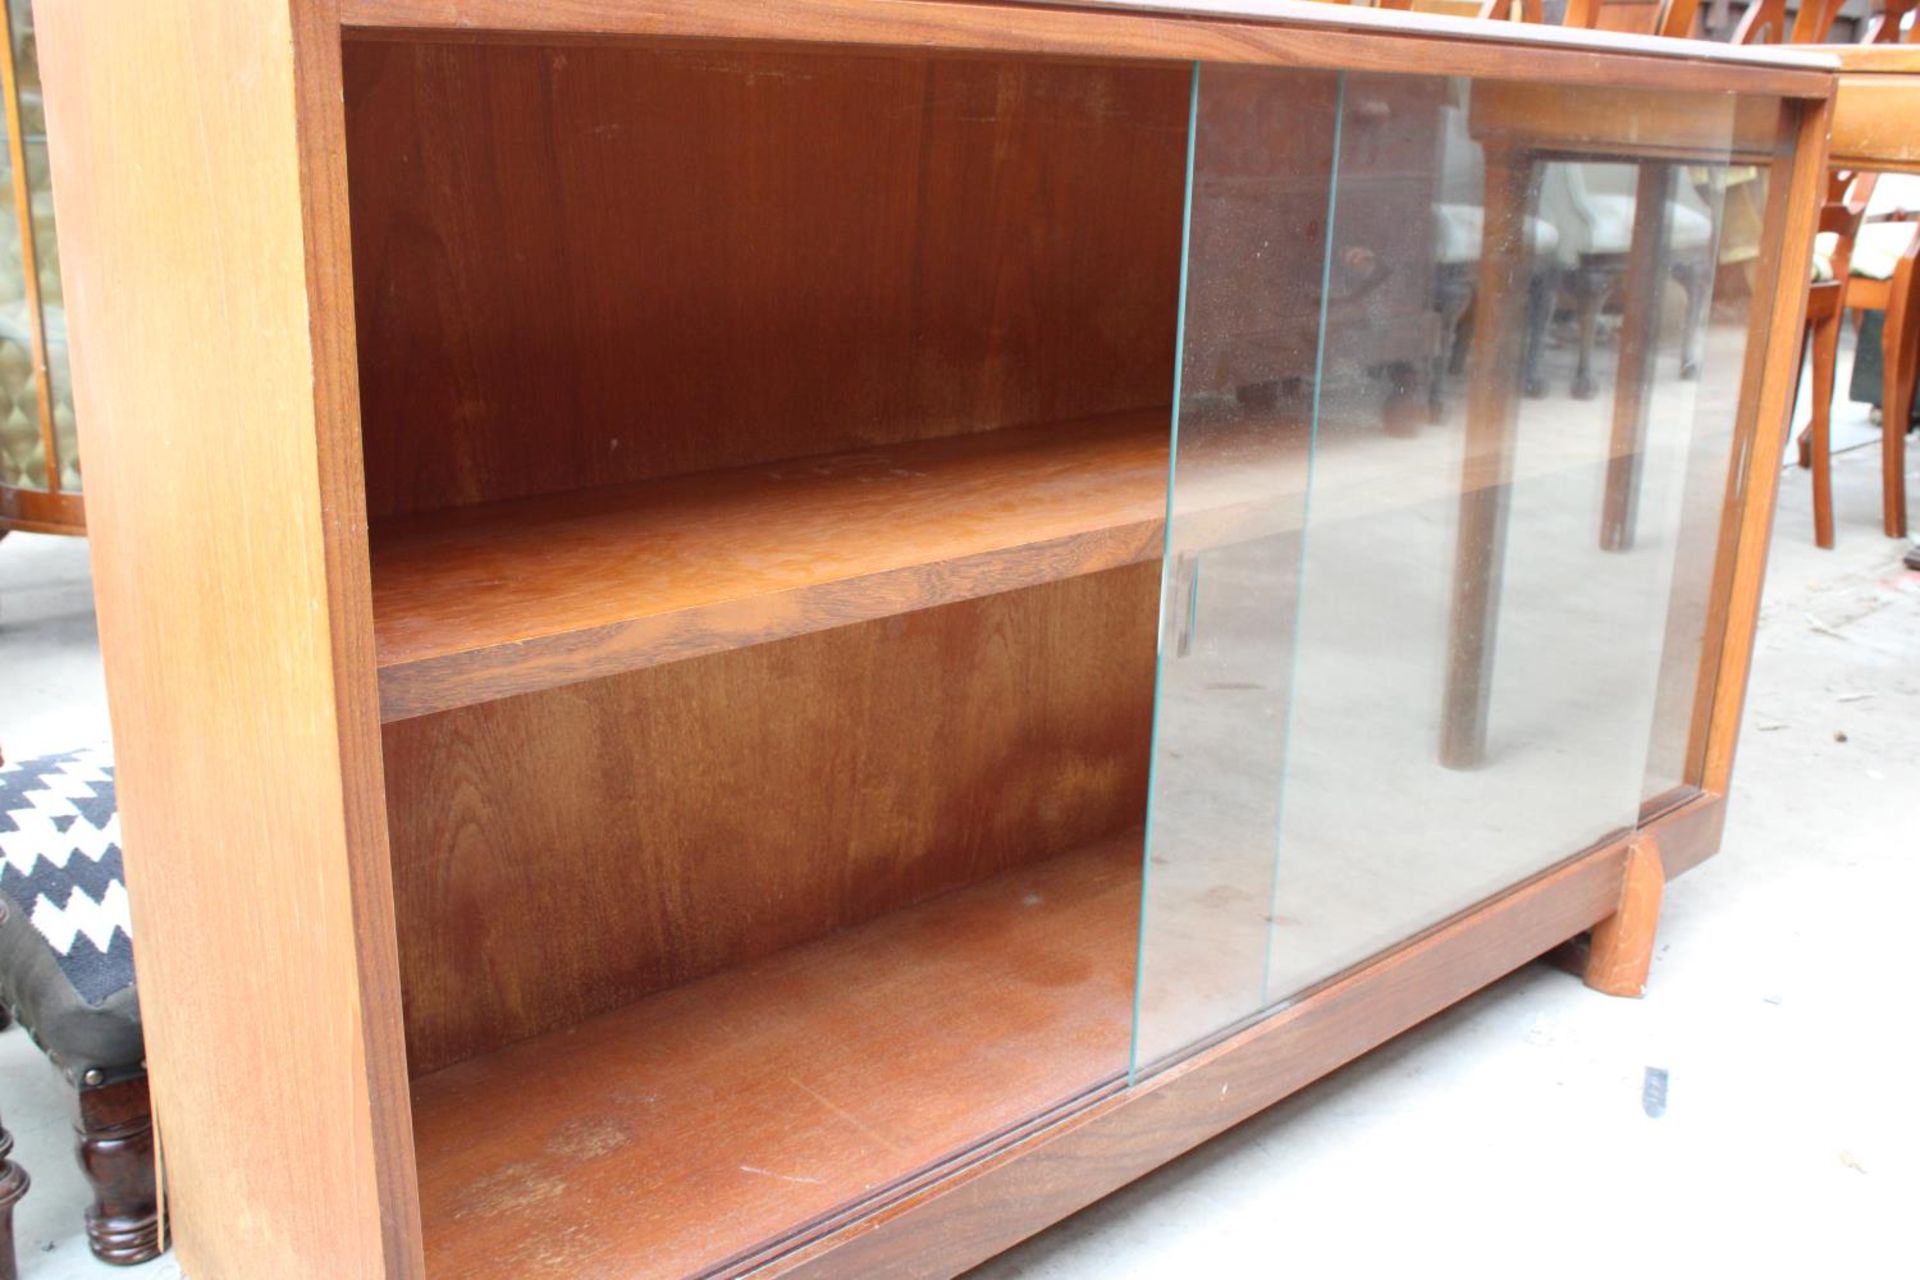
(1590, 294)
(1826, 355)
(1696, 278)
(13, 1185)
(115, 1126)
(1453, 293)
(1622, 949)
(1543, 292)
(1900, 344)
(1480, 545)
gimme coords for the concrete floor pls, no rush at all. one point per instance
(1509, 1132)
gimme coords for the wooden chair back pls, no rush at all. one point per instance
(1889, 25)
(1766, 22)
(1845, 209)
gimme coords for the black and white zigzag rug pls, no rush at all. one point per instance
(60, 864)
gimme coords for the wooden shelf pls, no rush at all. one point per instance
(484, 602)
(478, 603)
(699, 1126)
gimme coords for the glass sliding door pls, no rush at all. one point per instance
(1459, 392)
(1262, 159)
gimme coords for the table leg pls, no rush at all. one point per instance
(1493, 398)
(1646, 275)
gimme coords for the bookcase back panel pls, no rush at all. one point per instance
(567, 852)
(589, 264)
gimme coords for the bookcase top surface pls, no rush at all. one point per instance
(1355, 17)
(1281, 32)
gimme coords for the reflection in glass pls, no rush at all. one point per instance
(1261, 174)
(23, 461)
(1432, 667)
(1703, 554)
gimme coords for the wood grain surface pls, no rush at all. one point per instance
(1276, 32)
(483, 602)
(1873, 121)
(815, 954)
(1708, 128)
(202, 222)
(587, 265)
(560, 854)
(694, 1127)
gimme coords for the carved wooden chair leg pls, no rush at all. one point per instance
(13, 1185)
(1696, 277)
(1453, 293)
(1591, 285)
(115, 1126)
(1543, 292)
(1622, 948)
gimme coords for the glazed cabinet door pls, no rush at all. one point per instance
(1461, 386)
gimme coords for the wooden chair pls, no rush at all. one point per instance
(1840, 219)
(1880, 278)
(1863, 264)
(1594, 203)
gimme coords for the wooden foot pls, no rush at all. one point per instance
(13, 1185)
(116, 1152)
(1622, 947)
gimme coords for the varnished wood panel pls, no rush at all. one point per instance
(585, 265)
(1876, 121)
(1768, 383)
(559, 854)
(202, 227)
(483, 602)
(694, 1127)
(1690, 833)
(1273, 32)
(1872, 58)
(1544, 115)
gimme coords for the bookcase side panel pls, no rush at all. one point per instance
(230, 580)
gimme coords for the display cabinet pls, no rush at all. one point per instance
(834, 628)
(39, 455)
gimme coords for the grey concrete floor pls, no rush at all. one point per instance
(1507, 1134)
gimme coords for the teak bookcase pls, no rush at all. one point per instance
(799, 638)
